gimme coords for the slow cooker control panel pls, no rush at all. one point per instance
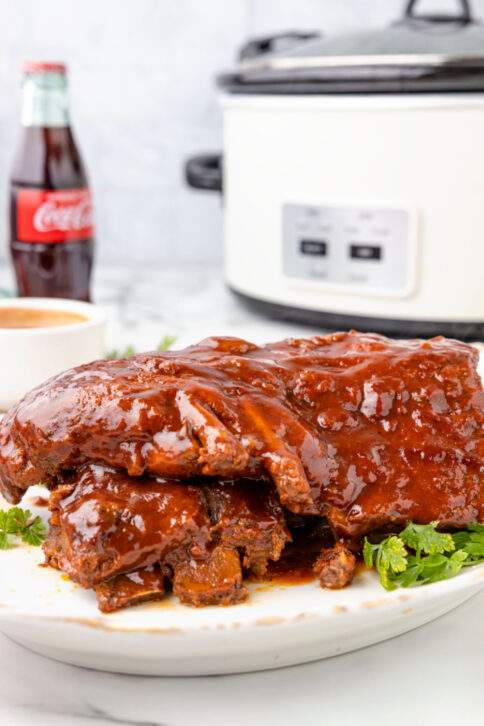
(367, 249)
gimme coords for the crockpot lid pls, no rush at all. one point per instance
(420, 52)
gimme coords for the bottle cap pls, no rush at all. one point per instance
(43, 67)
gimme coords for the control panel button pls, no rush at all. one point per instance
(365, 252)
(315, 247)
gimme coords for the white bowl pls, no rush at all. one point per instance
(31, 355)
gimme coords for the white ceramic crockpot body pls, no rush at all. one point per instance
(350, 158)
(32, 355)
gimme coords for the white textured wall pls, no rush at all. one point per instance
(143, 99)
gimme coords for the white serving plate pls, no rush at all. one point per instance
(278, 626)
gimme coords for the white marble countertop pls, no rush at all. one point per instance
(433, 675)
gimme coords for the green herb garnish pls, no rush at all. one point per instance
(16, 523)
(116, 353)
(420, 554)
(471, 542)
(165, 344)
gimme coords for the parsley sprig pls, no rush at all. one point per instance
(16, 523)
(420, 554)
(165, 344)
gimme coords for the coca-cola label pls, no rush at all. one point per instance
(54, 216)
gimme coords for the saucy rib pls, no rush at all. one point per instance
(104, 524)
(363, 430)
(247, 516)
(132, 588)
(130, 538)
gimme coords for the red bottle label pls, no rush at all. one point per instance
(54, 216)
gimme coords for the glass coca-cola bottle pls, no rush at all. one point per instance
(51, 227)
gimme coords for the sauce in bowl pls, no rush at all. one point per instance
(12, 317)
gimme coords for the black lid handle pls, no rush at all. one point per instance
(204, 171)
(464, 17)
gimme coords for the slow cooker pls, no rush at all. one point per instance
(353, 176)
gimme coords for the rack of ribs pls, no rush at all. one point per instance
(365, 432)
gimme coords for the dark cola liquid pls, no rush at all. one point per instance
(48, 160)
(47, 270)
